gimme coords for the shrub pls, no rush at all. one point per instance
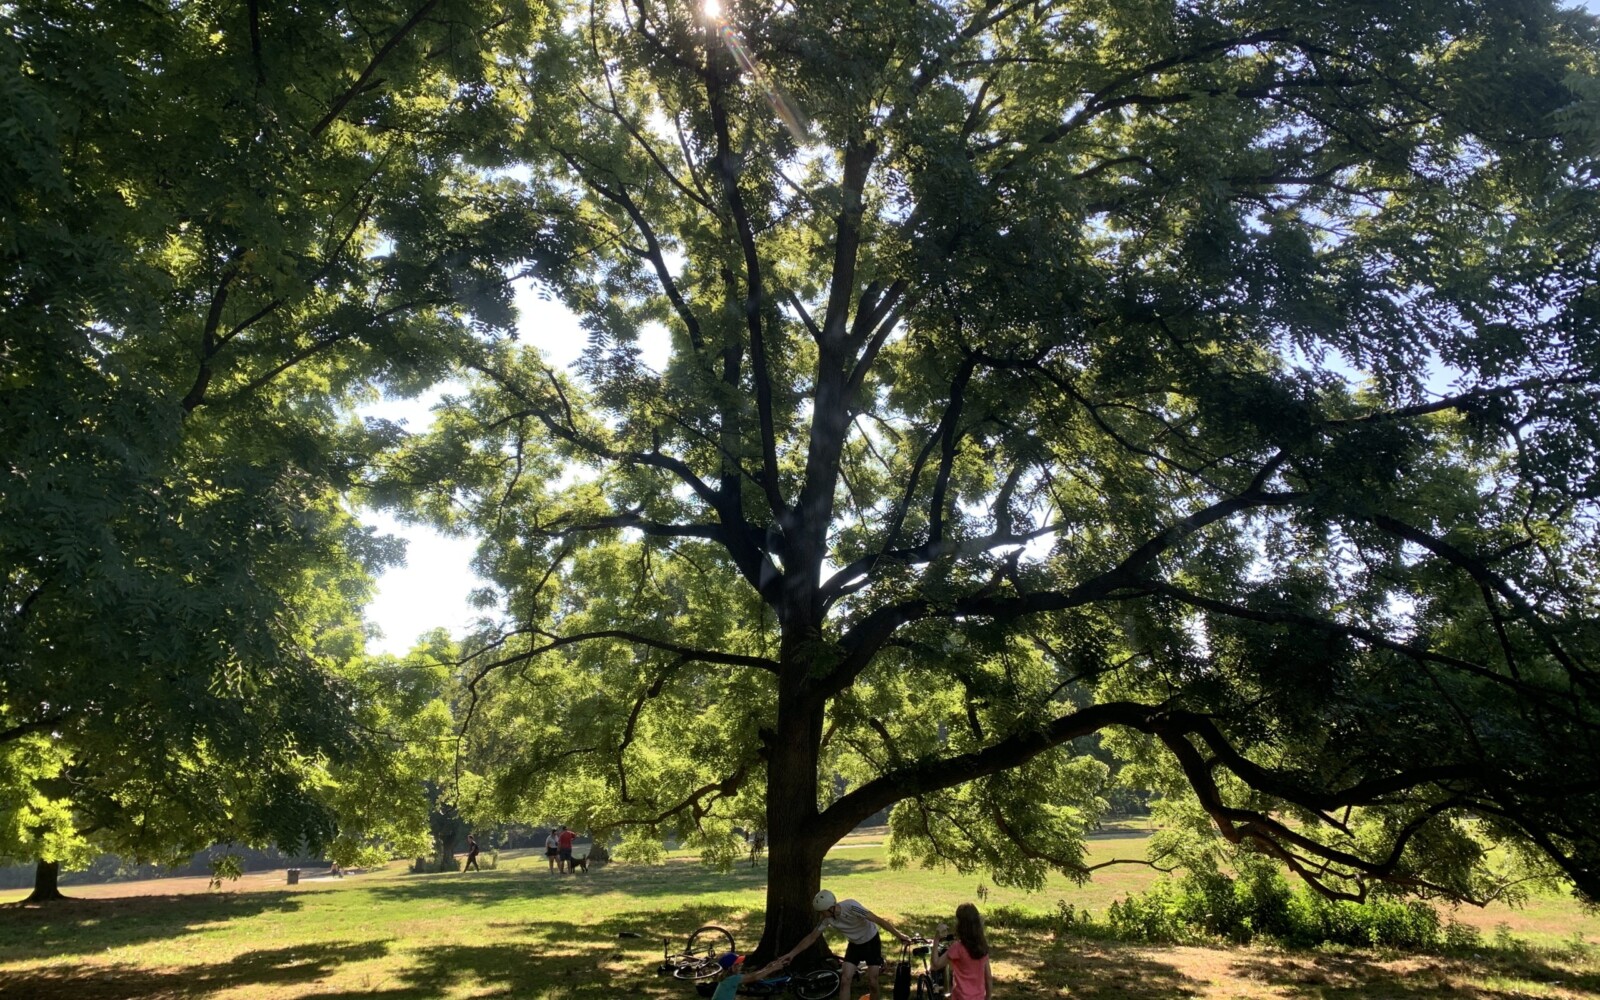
(1260, 902)
(429, 866)
(1461, 937)
(1016, 918)
(1150, 916)
(1264, 895)
(1069, 920)
(1207, 902)
(1377, 922)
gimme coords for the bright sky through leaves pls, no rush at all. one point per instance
(432, 589)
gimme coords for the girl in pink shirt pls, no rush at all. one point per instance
(967, 957)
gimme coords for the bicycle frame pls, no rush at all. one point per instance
(926, 984)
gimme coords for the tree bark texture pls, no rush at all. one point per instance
(796, 843)
(45, 883)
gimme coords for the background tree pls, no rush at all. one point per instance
(223, 223)
(1220, 376)
(382, 797)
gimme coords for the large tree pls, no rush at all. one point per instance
(223, 223)
(1218, 375)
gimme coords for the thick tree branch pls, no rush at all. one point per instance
(727, 169)
(652, 691)
(1470, 400)
(931, 775)
(1371, 637)
(554, 642)
(863, 640)
(697, 803)
(1487, 578)
(619, 196)
(209, 344)
(20, 730)
(365, 76)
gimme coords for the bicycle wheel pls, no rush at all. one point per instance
(709, 941)
(823, 984)
(697, 968)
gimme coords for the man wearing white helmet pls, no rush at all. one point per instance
(860, 928)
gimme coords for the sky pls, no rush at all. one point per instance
(433, 587)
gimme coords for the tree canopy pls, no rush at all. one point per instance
(1217, 376)
(220, 225)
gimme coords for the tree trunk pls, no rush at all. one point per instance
(794, 873)
(795, 843)
(45, 889)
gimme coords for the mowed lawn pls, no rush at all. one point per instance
(519, 931)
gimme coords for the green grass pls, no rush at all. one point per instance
(519, 931)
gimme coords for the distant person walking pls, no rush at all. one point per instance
(552, 850)
(472, 855)
(967, 957)
(564, 845)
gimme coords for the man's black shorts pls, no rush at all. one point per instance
(870, 952)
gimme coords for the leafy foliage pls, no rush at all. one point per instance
(1205, 905)
(1215, 374)
(223, 223)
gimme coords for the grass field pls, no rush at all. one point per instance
(518, 931)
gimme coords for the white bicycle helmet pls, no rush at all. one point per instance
(823, 900)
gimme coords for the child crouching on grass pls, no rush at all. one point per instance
(730, 986)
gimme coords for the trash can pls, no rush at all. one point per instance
(294, 876)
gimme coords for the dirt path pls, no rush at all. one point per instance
(184, 885)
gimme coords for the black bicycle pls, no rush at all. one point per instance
(925, 983)
(699, 957)
(818, 984)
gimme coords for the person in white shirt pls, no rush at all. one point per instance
(860, 928)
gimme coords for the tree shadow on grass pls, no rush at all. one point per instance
(1335, 976)
(675, 878)
(639, 939)
(275, 967)
(1088, 970)
(588, 962)
(84, 926)
(574, 962)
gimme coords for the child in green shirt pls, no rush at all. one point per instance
(730, 986)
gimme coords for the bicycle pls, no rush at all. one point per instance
(925, 984)
(700, 954)
(818, 984)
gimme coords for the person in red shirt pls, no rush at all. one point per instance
(967, 957)
(564, 841)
